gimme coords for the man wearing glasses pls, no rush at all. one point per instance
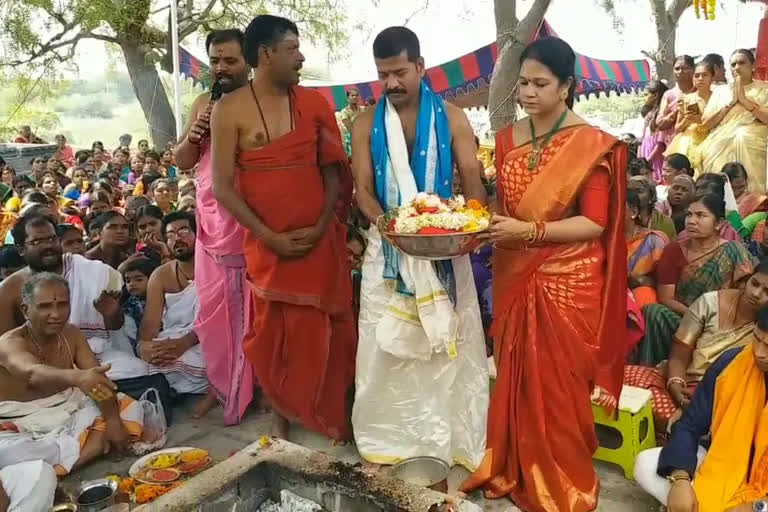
(167, 338)
(95, 307)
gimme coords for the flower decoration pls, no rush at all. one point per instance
(428, 214)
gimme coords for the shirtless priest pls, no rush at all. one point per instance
(57, 407)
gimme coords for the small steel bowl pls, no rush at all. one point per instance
(423, 471)
(430, 247)
(105, 487)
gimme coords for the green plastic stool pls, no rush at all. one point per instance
(635, 425)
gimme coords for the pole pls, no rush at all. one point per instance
(176, 72)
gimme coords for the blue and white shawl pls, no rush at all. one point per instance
(432, 165)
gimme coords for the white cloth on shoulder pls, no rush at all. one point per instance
(30, 486)
(186, 374)
(87, 279)
(422, 377)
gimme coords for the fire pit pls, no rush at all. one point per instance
(254, 480)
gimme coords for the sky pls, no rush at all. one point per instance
(448, 29)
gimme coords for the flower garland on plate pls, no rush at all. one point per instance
(707, 7)
(428, 214)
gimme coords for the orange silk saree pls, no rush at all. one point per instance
(559, 327)
(303, 340)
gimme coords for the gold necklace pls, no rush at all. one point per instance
(40, 353)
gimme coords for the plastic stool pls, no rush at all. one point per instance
(635, 425)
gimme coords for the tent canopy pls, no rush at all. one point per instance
(465, 81)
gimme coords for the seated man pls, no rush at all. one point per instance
(729, 402)
(56, 404)
(167, 338)
(95, 307)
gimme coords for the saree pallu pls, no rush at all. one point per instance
(721, 268)
(644, 250)
(751, 202)
(739, 137)
(303, 338)
(555, 306)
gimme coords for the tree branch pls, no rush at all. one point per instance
(532, 20)
(56, 43)
(677, 9)
(192, 23)
(423, 8)
(505, 12)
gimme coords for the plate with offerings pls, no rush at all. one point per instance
(170, 465)
(433, 228)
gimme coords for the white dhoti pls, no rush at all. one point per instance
(187, 373)
(55, 428)
(87, 279)
(30, 486)
(414, 407)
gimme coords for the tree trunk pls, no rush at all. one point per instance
(150, 93)
(664, 58)
(512, 37)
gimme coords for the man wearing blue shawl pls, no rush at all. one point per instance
(422, 375)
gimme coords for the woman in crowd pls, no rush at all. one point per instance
(649, 216)
(161, 194)
(640, 167)
(20, 185)
(149, 233)
(670, 103)
(64, 152)
(681, 195)
(560, 288)
(688, 124)
(715, 322)
(348, 115)
(100, 202)
(644, 249)
(50, 187)
(79, 186)
(36, 166)
(702, 263)
(674, 164)
(8, 174)
(143, 147)
(717, 183)
(748, 201)
(654, 140)
(166, 162)
(137, 169)
(737, 116)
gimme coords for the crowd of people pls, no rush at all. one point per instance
(203, 270)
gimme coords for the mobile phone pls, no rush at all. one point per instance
(692, 108)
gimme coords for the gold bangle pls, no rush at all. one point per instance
(678, 380)
(674, 479)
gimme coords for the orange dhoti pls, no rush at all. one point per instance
(554, 305)
(303, 339)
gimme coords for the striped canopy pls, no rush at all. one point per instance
(465, 81)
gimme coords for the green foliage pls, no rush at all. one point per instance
(85, 105)
(613, 109)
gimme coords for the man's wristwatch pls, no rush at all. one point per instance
(760, 506)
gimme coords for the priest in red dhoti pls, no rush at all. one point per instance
(281, 170)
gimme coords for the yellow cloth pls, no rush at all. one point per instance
(13, 205)
(739, 137)
(739, 421)
(686, 141)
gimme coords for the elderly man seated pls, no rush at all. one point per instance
(95, 307)
(730, 402)
(57, 406)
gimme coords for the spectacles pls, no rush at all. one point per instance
(181, 232)
(40, 241)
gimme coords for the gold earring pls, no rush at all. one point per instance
(563, 96)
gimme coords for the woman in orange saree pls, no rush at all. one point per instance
(560, 287)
